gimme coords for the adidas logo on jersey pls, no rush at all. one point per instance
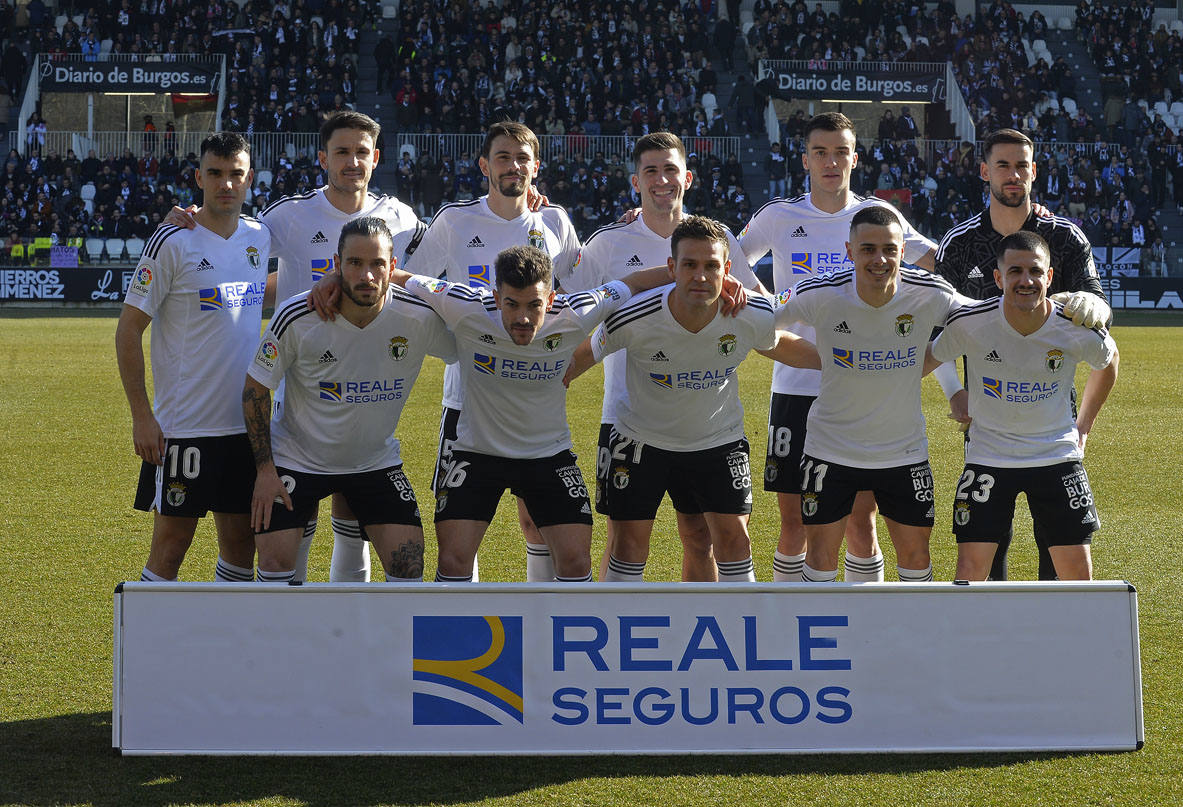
(328, 357)
(659, 356)
(319, 238)
(975, 273)
(1089, 518)
(201, 267)
(487, 339)
(586, 508)
(634, 261)
(842, 327)
(799, 232)
(476, 242)
(993, 356)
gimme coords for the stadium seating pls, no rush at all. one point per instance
(135, 248)
(94, 249)
(114, 248)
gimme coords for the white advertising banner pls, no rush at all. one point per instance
(596, 669)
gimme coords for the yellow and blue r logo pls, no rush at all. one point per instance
(467, 670)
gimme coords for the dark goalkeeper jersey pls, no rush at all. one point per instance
(967, 256)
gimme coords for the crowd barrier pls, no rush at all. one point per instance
(545, 669)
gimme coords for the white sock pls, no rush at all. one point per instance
(229, 573)
(864, 570)
(540, 567)
(915, 575)
(301, 567)
(443, 578)
(276, 577)
(737, 571)
(621, 571)
(391, 579)
(148, 576)
(812, 575)
(476, 571)
(787, 568)
(351, 554)
(587, 578)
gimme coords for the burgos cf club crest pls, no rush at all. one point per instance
(252, 257)
(398, 348)
(1055, 360)
(903, 324)
(961, 513)
(553, 341)
(726, 344)
(467, 671)
(536, 239)
(809, 504)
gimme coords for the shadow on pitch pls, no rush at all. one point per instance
(68, 760)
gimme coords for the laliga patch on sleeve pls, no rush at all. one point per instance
(609, 291)
(141, 282)
(267, 354)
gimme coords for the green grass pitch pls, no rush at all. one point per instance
(68, 534)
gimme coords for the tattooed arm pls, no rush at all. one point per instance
(256, 409)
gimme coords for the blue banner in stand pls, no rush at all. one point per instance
(79, 285)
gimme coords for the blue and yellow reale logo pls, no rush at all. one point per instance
(992, 387)
(844, 357)
(467, 670)
(661, 380)
(330, 390)
(802, 263)
(478, 275)
(484, 364)
(319, 267)
(211, 299)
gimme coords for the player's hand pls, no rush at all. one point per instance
(325, 296)
(1085, 308)
(629, 216)
(1082, 438)
(959, 409)
(269, 491)
(148, 440)
(535, 201)
(182, 217)
(1040, 210)
(733, 297)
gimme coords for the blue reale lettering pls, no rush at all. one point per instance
(570, 699)
(752, 660)
(561, 645)
(660, 712)
(629, 643)
(808, 643)
(700, 721)
(824, 701)
(781, 717)
(695, 650)
(752, 706)
(603, 706)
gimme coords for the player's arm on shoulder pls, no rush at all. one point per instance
(582, 360)
(182, 217)
(147, 438)
(325, 295)
(794, 351)
(1085, 308)
(645, 279)
(1096, 391)
(928, 261)
(256, 411)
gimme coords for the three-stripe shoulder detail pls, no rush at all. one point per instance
(162, 234)
(634, 310)
(288, 314)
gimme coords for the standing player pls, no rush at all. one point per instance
(968, 253)
(202, 290)
(516, 342)
(346, 381)
(678, 427)
(304, 229)
(462, 245)
(1021, 356)
(866, 430)
(805, 235)
(661, 179)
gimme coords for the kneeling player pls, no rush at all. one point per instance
(346, 381)
(515, 343)
(1021, 355)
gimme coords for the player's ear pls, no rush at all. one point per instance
(671, 264)
(849, 252)
(726, 267)
(998, 277)
(635, 183)
(550, 298)
(984, 171)
(689, 180)
(322, 157)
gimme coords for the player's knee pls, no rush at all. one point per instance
(696, 538)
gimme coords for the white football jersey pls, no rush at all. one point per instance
(806, 242)
(205, 296)
(344, 386)
(464, 239)
(683, 392)
(1020, 387)
(867, 413)
(515, 404)
(615, 251)
(305, 230)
